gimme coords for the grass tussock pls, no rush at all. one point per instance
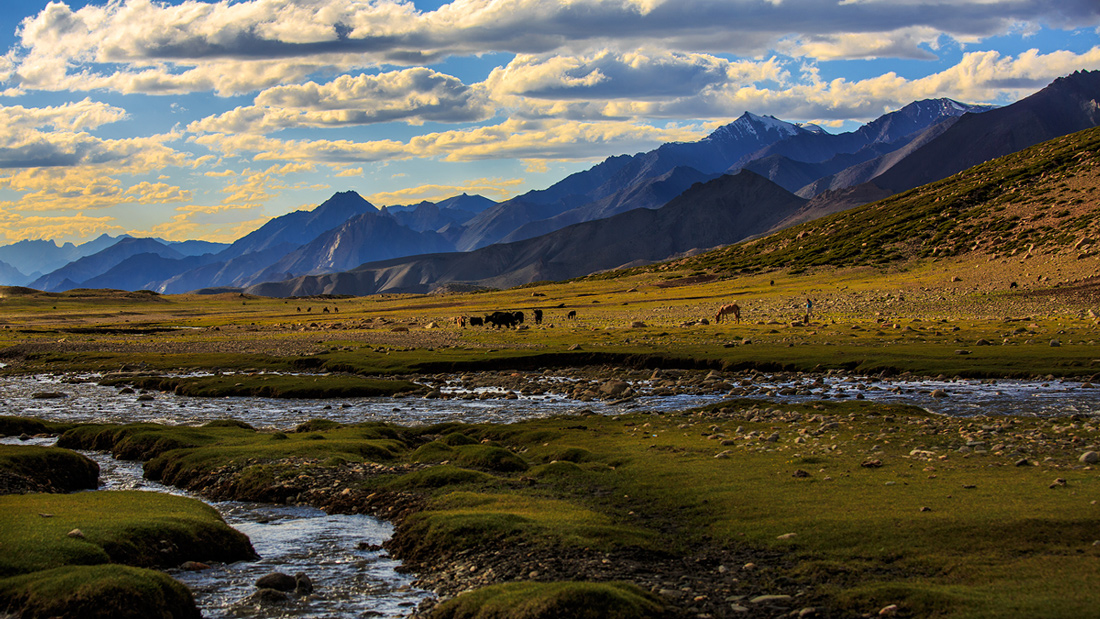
(583, 600)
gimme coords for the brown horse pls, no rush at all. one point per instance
(731, 308)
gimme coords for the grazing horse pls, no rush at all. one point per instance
(572, 314)
(731, 308)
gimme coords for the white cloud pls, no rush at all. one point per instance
(16, 227)
(412, 95)
(526, 139)
(232, 48)
(978, 77)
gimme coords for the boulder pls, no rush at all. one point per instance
(277, 581)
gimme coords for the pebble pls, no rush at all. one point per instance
(771, 599)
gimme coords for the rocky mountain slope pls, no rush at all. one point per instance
(722, 211)
(1041, 202)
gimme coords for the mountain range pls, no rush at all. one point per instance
(747, 178)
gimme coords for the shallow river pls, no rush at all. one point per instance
(339, 553)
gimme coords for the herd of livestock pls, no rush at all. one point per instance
(503, 319)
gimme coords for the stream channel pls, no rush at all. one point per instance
(353, 578)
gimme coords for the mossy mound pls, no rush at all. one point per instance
(440, 476)
(489, 458)
(97, 592)
(86, 555)
(532, 600)
(144, 529)
(29, 468)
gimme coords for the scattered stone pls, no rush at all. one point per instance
(983, 342)
(193, 566)
(615, 388)
(939, 393)
(871, 463)
(145, 397)
(926, 509)
(49, 395)
(1058, 483)
(637, 324)
(278, 581)
(787, 536)
(780, 600)
(1055, 343)
(809, 611)
(889, 611)
(801, 473)
(76, 534)
(1023, 462)
(1090, 457)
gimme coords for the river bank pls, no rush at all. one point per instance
(840, 505)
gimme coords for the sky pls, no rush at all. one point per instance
(196, 119)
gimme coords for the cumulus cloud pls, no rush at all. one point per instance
(413, 96)
(525, 139)
(641, 74)
(768, 88)
(232, 48)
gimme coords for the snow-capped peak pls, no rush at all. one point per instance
(749, 125)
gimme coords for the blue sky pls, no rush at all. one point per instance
(198, 119)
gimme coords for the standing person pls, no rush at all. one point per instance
(809, 309)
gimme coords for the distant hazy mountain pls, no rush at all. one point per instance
(432, 216)
(35, 258)
(142, 271)
(712, 155)
(11, 276)
(75, 273)
(300, 227)
(230, 273)
(195, 248)
(722, 211)
(791, 155)
(367, 237)
(649, 193)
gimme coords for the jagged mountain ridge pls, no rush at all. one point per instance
(364, 238)
(1041, 201)
(631, 181)
(713, 154)
(721, 211)
(1067, 105)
